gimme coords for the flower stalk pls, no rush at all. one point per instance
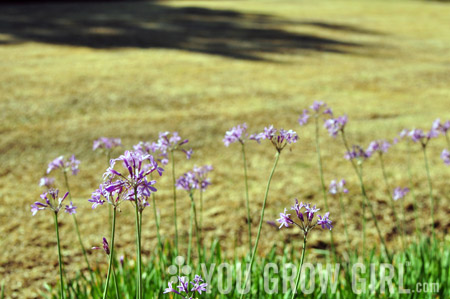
(62, 292)
(255, 247)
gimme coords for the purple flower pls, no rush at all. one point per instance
(184, 284)
(418, 135)
(170, 289)
(305, 224)
(445, 156)
(279, 140)
(297, 208)
(201, 176)
(106, 143)
(236, 134)
(399, 193)
(199, 287)
(357, 153)
(338, 187)
(310, 211)
(303, 119)
(70, 209)
(379, 146)
(46, 182)
(119, 186)
(65, 165)
(105, 246)
(170, 142)
(183, 288)
(325, 222)
(195, 179)
(441, 127)
(317, 105)
(52, 202)
(336, 125)
(285, 219)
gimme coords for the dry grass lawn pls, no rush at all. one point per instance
(73, 72)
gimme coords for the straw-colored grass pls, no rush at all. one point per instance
(130, 70)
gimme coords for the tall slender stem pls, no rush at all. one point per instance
(388, 191)
(430, 188)
(411, 187)
(366, 202)
(141, 287)
(158, 234)
(197, 229)
(174, 202)
(297, 279)
(191, 224)
(200, 227)
(77, 230)
(59, 257)
(344, 217)
(111, 254)
(322, 181)
(277, 157)
(138, 247)
(249, 221)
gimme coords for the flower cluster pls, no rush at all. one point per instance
(441, 127)
(378, 146)
(106, 143)
(338, 187)
(46, 182)
(357, 153)
(336, 125)
(279, 138)
(52, 202)
(445, 156)
(306, 218)
(105, 246)
(65, 165)
(399, 193)
(236, 134)
(131, 185)
(184, 289)
(418, 135)
(167, 143)
(318, 108)
(195, 179)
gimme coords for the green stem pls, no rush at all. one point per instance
(277, 156)
(322, 182)
(200, 227)
(430, 188)
(388, 190)
(355, 167)
(138, 247)
(366, 202)
(197, 229)
(77, 230)
(111, 255)
(158, 234)
(411, 187)
(297, 280)
(174, 203)
(249, 221)
(141, 287)
(190, 235)
(59, 256)
(347, 239)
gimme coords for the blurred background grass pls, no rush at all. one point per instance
(73, 72)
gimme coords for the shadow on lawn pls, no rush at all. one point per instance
(146, 24)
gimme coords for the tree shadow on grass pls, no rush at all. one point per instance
(103, 25)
